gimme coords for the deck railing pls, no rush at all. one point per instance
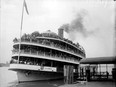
(32, 67)
(55, 45)
(71, 59)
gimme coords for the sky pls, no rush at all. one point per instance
(88, 22)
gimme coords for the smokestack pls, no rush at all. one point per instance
(60, 32)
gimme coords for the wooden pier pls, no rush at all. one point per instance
(68, 74)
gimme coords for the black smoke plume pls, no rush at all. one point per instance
(77, 26)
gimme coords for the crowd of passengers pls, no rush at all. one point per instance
(37, 62)
(49, 54)
(27, 61)
(58, 45)
(29, 37)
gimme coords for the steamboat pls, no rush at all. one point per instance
(42, 56)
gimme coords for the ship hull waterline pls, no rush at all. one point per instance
(28, 76)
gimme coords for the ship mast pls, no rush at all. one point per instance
(24, 5)
(115, 33)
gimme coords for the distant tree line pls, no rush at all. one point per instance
(4, 64)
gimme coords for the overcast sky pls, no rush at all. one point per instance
(94, 23)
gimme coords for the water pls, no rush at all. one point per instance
(7, 77)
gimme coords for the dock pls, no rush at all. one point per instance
(91, 84)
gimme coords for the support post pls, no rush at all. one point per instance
(88, 73)
(68, 74)
(100, 70)
(114, 72)
(107, 73)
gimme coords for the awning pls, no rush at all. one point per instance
(99, 60)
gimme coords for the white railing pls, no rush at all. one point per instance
(32, 67)
(26, 43)
(52, 47)
(71, 60)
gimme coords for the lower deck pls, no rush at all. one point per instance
(38, 64)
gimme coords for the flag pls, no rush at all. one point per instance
(25, 5)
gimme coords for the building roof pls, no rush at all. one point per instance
(99, 60)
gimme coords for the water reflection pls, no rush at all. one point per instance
(55, 83)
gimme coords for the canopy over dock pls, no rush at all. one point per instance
(99, 60)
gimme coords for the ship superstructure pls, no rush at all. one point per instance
(43, 56)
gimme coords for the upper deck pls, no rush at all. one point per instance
(51, 41)
(46, 49)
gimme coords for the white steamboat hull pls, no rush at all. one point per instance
(37, 75)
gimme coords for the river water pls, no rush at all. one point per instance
(7, 77)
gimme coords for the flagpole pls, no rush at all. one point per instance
(21, 31)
